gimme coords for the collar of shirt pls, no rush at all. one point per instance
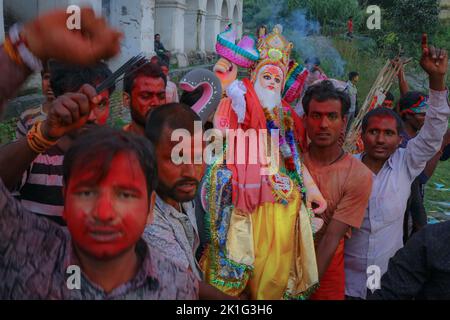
(188, 208)
(147, 271)
(389, 162)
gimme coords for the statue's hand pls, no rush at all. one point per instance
(315, 201)
(226, 71)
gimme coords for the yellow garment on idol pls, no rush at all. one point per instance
(283, 263)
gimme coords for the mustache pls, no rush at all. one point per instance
(187, 181)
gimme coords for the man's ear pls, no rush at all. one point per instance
(346, 121)
(151, 216)
(126, 100)
(401, 140)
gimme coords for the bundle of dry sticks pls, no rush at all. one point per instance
(374, 99)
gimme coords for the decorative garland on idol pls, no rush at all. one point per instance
(288, 148)
(225, 274)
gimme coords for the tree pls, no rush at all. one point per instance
(413, 17)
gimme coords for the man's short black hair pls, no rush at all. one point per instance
(352, 75)
(157, 35)
(151, 70)
(69, 78)
(382, 112)
(97, 148)
(409, 99)
(389, 96)
(323, 91)
(172, 115)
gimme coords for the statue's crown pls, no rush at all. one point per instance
(273, 49)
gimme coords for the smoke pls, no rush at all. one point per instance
(304, 33)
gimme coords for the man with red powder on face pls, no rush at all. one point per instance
(394, 169)
(105, 242)
(344, 182)
(144, 89)
(109, 179)
(36, 173)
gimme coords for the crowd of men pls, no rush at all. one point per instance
(113, 202)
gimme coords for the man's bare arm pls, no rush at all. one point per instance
(12, 77)
(67, 113)
(326, 249)
(15, 158)
(402, 83)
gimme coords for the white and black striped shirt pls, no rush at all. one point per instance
(42, 185)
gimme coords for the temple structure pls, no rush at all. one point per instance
(187, 27)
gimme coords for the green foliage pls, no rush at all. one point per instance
(331, 14)
(415, 16)
(367, 62)
(7, 130)
(259, 12)
(402, 25)
(442, 37)
(434, 199)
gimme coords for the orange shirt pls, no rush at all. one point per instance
(346, 186)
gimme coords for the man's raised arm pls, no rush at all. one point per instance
(427, 143)
(48, 37)
(68, 112)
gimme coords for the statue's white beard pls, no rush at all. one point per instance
(268, 98)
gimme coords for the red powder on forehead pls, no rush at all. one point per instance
(381, 117)
(382, 121)
(106, 210)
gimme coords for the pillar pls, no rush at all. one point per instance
(169, 23)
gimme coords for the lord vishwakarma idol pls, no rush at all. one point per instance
(259, 216)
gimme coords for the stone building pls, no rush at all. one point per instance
(188, 28)
(445, 10)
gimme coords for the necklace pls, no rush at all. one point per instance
(338, 158)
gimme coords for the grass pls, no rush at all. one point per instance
(363, 61)
(441, 176)
(433, 195)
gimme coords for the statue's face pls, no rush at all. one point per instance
(271, 78)
(268, 86)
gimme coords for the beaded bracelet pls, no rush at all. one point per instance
(36, 140)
